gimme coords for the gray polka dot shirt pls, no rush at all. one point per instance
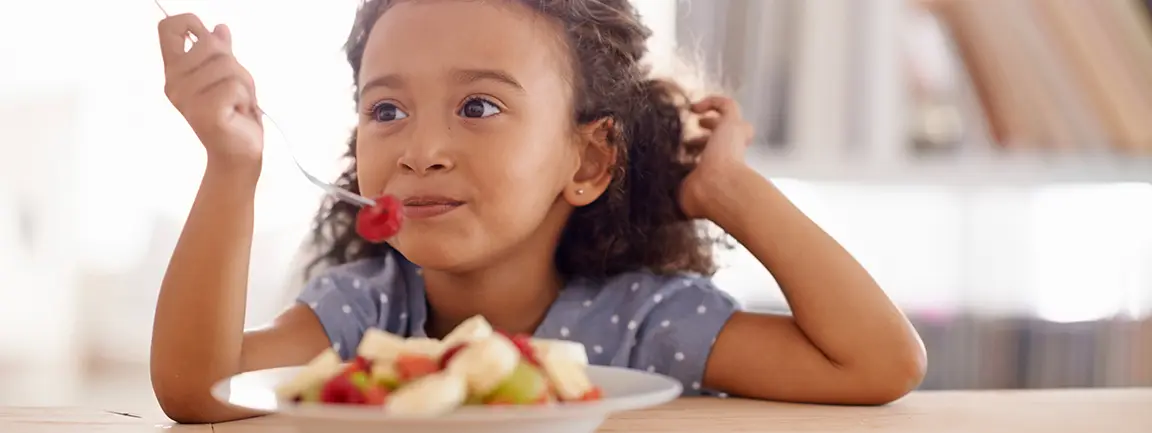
(663, 324)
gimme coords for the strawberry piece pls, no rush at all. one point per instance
(521, 342)
(411, 367)
(363, 363)
(448, 354)
(594, 394)
(341, 390)
(358, 365)
(370, 393)
(378, 223)
(375, 395)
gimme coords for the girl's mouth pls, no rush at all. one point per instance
(423, 207)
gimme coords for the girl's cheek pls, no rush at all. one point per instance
(370, 175)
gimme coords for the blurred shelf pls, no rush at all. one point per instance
(975, 170)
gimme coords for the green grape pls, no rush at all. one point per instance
(360, 379)
(526, 385)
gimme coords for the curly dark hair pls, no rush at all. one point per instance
(637, 223)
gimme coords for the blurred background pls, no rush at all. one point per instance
(988, 161)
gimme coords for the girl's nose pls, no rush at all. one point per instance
(429, 153)
(425, 166)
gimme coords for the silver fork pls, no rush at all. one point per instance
(332, 190)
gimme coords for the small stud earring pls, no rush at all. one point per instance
(579, 192)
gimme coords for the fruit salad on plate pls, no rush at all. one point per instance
(473, 365)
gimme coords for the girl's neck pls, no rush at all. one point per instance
(513, 296)
(514, 293)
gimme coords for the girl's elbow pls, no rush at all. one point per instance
(184, 410)
(188, 405)
(196, 410)
(913, 366)
(901, 376)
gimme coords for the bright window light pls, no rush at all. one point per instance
(1091, 246)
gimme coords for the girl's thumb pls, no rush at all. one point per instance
(221, 31)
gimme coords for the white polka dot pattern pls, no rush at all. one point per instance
(662, 324)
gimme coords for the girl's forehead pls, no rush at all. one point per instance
(430, 37)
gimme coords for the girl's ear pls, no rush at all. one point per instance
(597, 160)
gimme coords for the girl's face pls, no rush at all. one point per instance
(465, 116)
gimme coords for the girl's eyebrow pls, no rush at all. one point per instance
(474, 75)
(390, 81)
(463, 76)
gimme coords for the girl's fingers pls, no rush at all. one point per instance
(226, 68)
(217, 44)
(727, 107)
(214, 72)
(695, 144)
(202, 54)
(173, 31)
(710, 123)
(230, 95)
(224, 35)
(729, 116)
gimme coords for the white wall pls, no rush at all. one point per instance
(37, 234)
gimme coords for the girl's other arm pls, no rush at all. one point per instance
(846, 343)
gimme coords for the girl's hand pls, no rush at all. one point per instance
(212, 91)
(723, 154)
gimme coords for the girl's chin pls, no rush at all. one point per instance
(440, 256)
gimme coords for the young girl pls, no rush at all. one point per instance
(547, 186)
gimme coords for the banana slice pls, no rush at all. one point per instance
(569, 378)
(431, 395)
(323, 367)
(475, 328)
(380, 346)
(485, 363)
(430, 347)
(568, 350)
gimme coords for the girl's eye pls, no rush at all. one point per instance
(478, 108)
(387, 112)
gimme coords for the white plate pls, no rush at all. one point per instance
(624, 390)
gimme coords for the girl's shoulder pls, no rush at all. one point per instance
(362, 272)
(643, 287)
(629, 301)
(663, 323)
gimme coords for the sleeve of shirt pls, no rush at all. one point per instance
(347, 305)
(676, 334)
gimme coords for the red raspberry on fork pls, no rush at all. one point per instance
(378, 223)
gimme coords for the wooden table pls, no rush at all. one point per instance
(1098, 410)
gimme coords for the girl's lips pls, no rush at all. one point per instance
(428, 206)
(423, 211)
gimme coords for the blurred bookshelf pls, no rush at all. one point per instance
(1023, 94)
(984, 92)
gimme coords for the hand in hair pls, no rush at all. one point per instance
(845, 342)
(728, 136)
